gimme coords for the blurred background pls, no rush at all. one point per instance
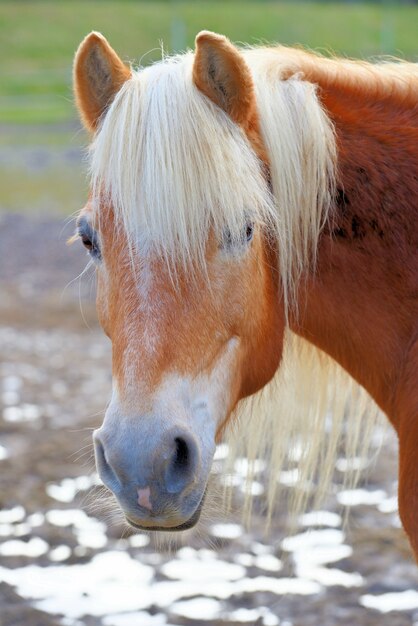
(65, 557)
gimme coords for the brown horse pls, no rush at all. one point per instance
(251, 212)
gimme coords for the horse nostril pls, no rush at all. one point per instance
(181, 456)
(105, 470)
(180, 468)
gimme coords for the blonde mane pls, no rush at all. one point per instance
(175, 167)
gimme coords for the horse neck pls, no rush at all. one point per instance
(361, 305)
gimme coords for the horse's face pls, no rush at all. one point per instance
(184, 354)
(185, 351)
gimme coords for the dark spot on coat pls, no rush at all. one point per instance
(340, 232)
(342, 201)
(376, 228)
(357, 228)
(363, 176)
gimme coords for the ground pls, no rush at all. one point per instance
(65, 555)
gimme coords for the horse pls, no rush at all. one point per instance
(251, 218)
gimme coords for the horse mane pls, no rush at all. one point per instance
(311, 414)
(174, 166)
(386, 78)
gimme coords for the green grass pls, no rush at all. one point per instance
(53, 191)
(38, 39)
(39, 131)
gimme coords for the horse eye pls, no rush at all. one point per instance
(246, 236)
(87, 243)
(89, 238)
(249, 231)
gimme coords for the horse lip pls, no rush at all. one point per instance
(192, 521)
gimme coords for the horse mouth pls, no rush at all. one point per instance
(192, 521)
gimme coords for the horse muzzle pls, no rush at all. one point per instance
(158, 473)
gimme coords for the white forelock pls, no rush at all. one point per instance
(174, 165)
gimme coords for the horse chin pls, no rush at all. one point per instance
(192, 521)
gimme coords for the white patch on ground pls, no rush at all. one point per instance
(89, 531)
(279, 586)
(68, 621)
(22, 413)
(316, 547)
(321, 518)
(289, 477)
(6, 530)
(355, 497)
(113, 583)
(68, 488)
(244, 467)
(33, 548)
(11, 516)
(386, 602)
(267, 562)
(20, 530)
(10, 397)
(60, 553)
(202, 609)
(352, 465)
(12, 383)
(221, 453)
(390, 505)
(4, 454)
(227, 531)
(322, 555)
(254, 488)
(205, 609)
(250, 616)
(244, 559)
(260, 548)
(330, 577)
(313, 549)
(313, 538)
(139, 618)
(139, 541)
(201, 566)
(35, 520)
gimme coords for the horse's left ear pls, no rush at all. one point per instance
(98, 75)
(220, 72)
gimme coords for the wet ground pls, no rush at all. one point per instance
(66, 558)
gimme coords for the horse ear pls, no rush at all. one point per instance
(220, 72)
(98, 75)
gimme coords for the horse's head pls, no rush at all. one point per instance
(178, 224)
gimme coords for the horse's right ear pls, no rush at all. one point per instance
(98, 75)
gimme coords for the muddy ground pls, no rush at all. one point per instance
(66, 558)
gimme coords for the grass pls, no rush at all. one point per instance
(40, 138)
(38, 39)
